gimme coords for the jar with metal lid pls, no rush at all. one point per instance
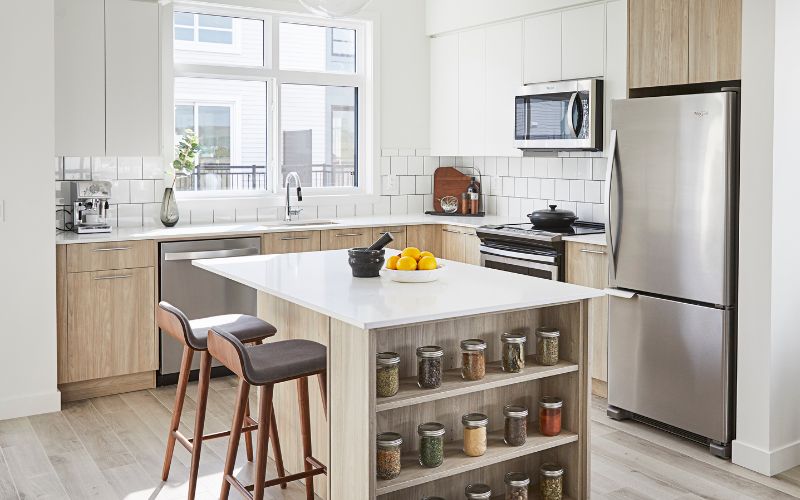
(517, 486)
(429, 366)
(474, 434)
(431, 444)
(387, 376)
(547, 346)
(387, 465)
(478, 491)
(551, 482)
(473, 360)
(515, 431)
(513, 352)
(550, 415)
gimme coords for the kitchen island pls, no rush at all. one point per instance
(313, 296)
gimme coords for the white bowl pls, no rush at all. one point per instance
(413, 276)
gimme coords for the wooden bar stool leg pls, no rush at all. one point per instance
(180, 395)
(323, 390)
(262, 444)
(305, 431)
(276, 446)
(236, 433)
(200, 419)
(248, 436)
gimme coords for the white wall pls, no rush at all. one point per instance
(27, 270)
(768, 403)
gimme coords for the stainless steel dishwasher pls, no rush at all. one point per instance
(199, 293)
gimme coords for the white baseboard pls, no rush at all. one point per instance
(766, 462)
(25, 406)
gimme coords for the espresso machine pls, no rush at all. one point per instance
(90, 206)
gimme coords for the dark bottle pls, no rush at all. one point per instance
(474, 193)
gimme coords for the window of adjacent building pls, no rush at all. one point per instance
(257, 119)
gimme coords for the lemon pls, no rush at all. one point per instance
(427, 263)
(392, 262)
(406, 263)
(425, 254)
(412, 252)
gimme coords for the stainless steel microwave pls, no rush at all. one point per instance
(560, 116)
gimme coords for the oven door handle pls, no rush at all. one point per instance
(517, 255)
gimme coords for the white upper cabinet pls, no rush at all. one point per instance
(107, 100)
(615, 85)
(503, 81)
(542, 49)
(472, 93)
(132, 78)
(583, 42)
(80, 117)
(444, 96)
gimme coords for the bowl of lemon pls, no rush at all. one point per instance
(413, 266)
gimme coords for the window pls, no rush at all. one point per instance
(257, 119)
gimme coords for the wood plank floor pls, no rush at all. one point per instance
(112, 448)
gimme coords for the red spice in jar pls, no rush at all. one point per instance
(550, 416)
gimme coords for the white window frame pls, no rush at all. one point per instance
(233, 106)
(363, 79)
(235, 47)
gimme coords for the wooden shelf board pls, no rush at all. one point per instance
(453, 385)
(455, 462)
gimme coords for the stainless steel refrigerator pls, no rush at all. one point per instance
(672, 202)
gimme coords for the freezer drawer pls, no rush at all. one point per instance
(669, 361)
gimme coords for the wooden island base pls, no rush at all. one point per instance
(346, 441)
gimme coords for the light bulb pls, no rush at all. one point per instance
(334, 8)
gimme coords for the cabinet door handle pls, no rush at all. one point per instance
(598, 252)
(121, 276)
(114, 249)
(342, 235)
(293, 238)
(391, 230)
(451, 231)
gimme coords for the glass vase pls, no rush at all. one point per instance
(169, 208)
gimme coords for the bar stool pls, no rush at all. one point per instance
(264, 366)
(194, 337)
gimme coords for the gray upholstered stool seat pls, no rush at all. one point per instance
(243, 327)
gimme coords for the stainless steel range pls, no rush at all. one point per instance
(523, 249)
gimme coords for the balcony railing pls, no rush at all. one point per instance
(249, 178)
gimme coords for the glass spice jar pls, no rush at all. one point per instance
(474, 434)
(513, 352)
(473, 360)
(388, 460)
(515, 431)
(387, 376)
(547, 346)
(551, 482)
(429, 366)
(431, 444)
(478, 491)
(550, 415)
(517, 486)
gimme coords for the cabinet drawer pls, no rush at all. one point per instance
(298, 241)
(397, 232)
(339, 239)
(110, 255)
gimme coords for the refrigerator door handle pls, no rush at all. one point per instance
(612, 264)
(622, 294)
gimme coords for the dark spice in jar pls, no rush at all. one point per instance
(547, 346)
(429, 366)
(473, 360)
(517, 486)
(388, 455)
(431, 444)
(513, 352)
(551, 482)
(387, 376)
(515, 431)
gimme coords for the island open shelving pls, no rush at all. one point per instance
(313, 296)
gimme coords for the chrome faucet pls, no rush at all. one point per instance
(289, 210)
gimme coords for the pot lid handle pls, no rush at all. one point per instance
(553, 207)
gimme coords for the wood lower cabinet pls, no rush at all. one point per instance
(398, 233)
(461, 244)
(587, 265)
(425, 237)
(296, 241)
(340, 239)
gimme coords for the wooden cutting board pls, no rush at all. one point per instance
(447, 181)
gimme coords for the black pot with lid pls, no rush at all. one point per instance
(552, 218)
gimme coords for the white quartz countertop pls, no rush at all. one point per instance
(589, 239)
(244, 229)
(322, 282)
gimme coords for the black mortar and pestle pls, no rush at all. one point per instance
(367, 262)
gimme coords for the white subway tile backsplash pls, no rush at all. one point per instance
(447, 161)
(399, 165)
(79, 169)
(408, 184)
(267, 214)
(422, 152)
(58, 168)
(129, 167)
(142, 191)
(430, 164)
(502, 205)
(151, 214)
(399, 205)
(153, 168)
(599, 166)
(548, 188)
(129, 215)
(406, 152)
(526, 206)
(382, 206)
(416, 204)
(502, 166)
(599, 210)
(489, 166)
(346, 210)
(555, 169)
(515, 167)
(585, 212)
(63, 195)
(363, 209)
(592, 194)
(246, 215)
(427, 202)
(416, 165)
(570, 167)
(514, 207)
(389, 152)
(576, 190)
(584, 168)
(386, 165)
(424, 184)
(508, 186)
(540, 166)
(528, 166)
(224, 215)
(390, 185)
(562, 189)
(521, 187)
(326, 211)
(534, 188)
(491, 205)
(121, 191)
(201, 216)
(309, 212)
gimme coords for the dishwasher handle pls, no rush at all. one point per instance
(213, 254)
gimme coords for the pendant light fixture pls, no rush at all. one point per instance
(334, 8)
